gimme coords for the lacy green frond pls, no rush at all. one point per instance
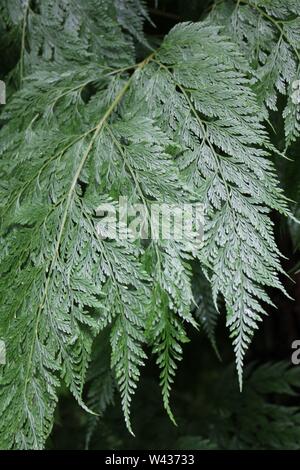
(213, 114)
(268, 33)
(71, 31)
(71, 282)
(87, 127)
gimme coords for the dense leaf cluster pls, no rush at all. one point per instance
(89, 121)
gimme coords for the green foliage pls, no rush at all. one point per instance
(71, 32)
(253, 421)
(90, 123)
(224, 159)
(218, 417)
(268, 33)
(101, 384)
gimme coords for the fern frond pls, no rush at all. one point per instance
(52, 240)
(181, 126)
(57, 263)
(212, 112)
(268, 33)
(166, 334)
(72, 31)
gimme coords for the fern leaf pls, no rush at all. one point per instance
(72, 32)
(214, 116)
(181, 126)
(268, 33)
